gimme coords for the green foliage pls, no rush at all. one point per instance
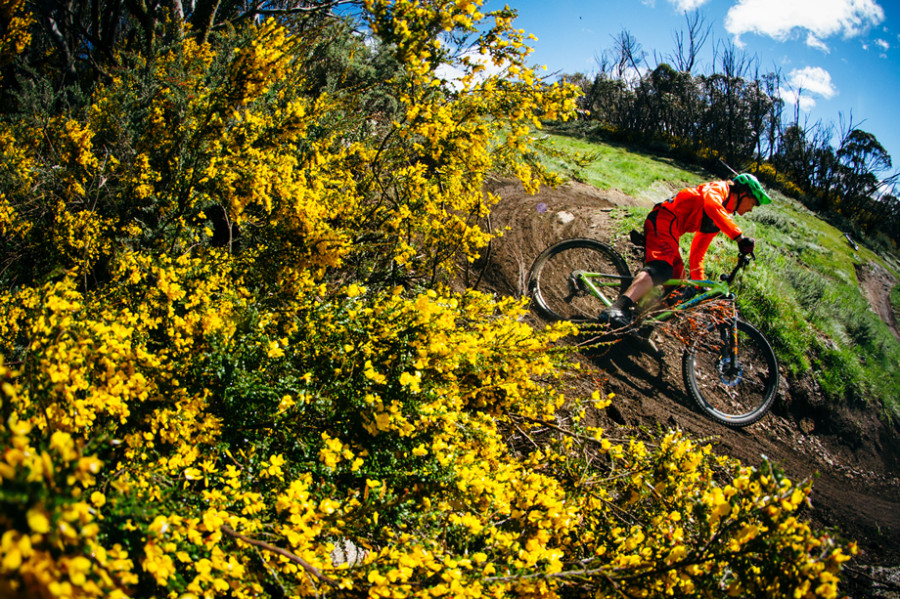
(612, 167)
(228, 352)
(895, 299)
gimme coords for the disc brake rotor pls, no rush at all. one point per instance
(729, 372)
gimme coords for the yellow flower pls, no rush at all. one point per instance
(38, 520)
(274, 350)
(274, 467)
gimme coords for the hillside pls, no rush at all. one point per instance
(853, 453)
(227, 348)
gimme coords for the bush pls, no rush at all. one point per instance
(228, 353)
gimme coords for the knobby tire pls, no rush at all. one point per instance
(554, 289)
(734, 395)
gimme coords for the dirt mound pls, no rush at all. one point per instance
(852, 454)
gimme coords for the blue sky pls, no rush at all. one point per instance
(842, 54)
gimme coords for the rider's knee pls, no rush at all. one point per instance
(659, 270)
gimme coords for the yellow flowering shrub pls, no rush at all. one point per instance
(52, 543)
(14, 24)
(414, 428)
(232, 367)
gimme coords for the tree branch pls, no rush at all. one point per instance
(282, 552)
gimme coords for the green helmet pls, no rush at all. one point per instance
(752, 183)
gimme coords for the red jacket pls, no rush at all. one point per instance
(701, 210)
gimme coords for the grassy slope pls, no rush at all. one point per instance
(803, 291)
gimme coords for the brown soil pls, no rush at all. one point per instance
(852, 454)
(876, 283)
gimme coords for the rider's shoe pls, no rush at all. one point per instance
(617, 318)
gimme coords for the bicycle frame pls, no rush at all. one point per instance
(714, 289)
(593, 282)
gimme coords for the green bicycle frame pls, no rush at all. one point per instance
(593, 283)
(714, 290)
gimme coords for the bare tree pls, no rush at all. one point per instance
(630, 56)
(863, 160)
(687, 50)
(774, 124)
(605, 63)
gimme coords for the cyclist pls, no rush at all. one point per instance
(705, 211)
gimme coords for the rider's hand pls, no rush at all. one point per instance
(746, 244)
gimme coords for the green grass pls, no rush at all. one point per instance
(802, 291)
(613, 167)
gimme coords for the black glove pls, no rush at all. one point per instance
(746, 244)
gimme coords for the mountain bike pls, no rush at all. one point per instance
(728, 367)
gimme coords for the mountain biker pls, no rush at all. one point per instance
(704, 210)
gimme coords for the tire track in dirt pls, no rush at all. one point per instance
(876, 284)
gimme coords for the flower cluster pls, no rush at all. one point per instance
(53, 542)
(16, 33)
(233, 366)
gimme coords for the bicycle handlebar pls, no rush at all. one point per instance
(743, 260)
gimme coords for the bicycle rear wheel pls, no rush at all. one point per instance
(559, 292)
(735, 390)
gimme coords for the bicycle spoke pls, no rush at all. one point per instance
(557, 282)
(735, 390)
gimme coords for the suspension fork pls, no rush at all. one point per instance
(732, 341)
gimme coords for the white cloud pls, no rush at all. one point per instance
(687, 5)
(453, 73)
(814, 42)
(883, 44)
(792, 98)
(821, 19)
(806, 84)
(815, 80)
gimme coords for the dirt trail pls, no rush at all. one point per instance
(854, 457)
(876, 283)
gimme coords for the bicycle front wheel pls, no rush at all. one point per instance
(735, 388)
(577, 278)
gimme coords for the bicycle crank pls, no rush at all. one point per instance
(576, 284)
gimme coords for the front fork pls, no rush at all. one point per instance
(730, 356)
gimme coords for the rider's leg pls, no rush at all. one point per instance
(661, 256)
(621, 313)
(641, 285)
(678, 271)
(662, 259)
